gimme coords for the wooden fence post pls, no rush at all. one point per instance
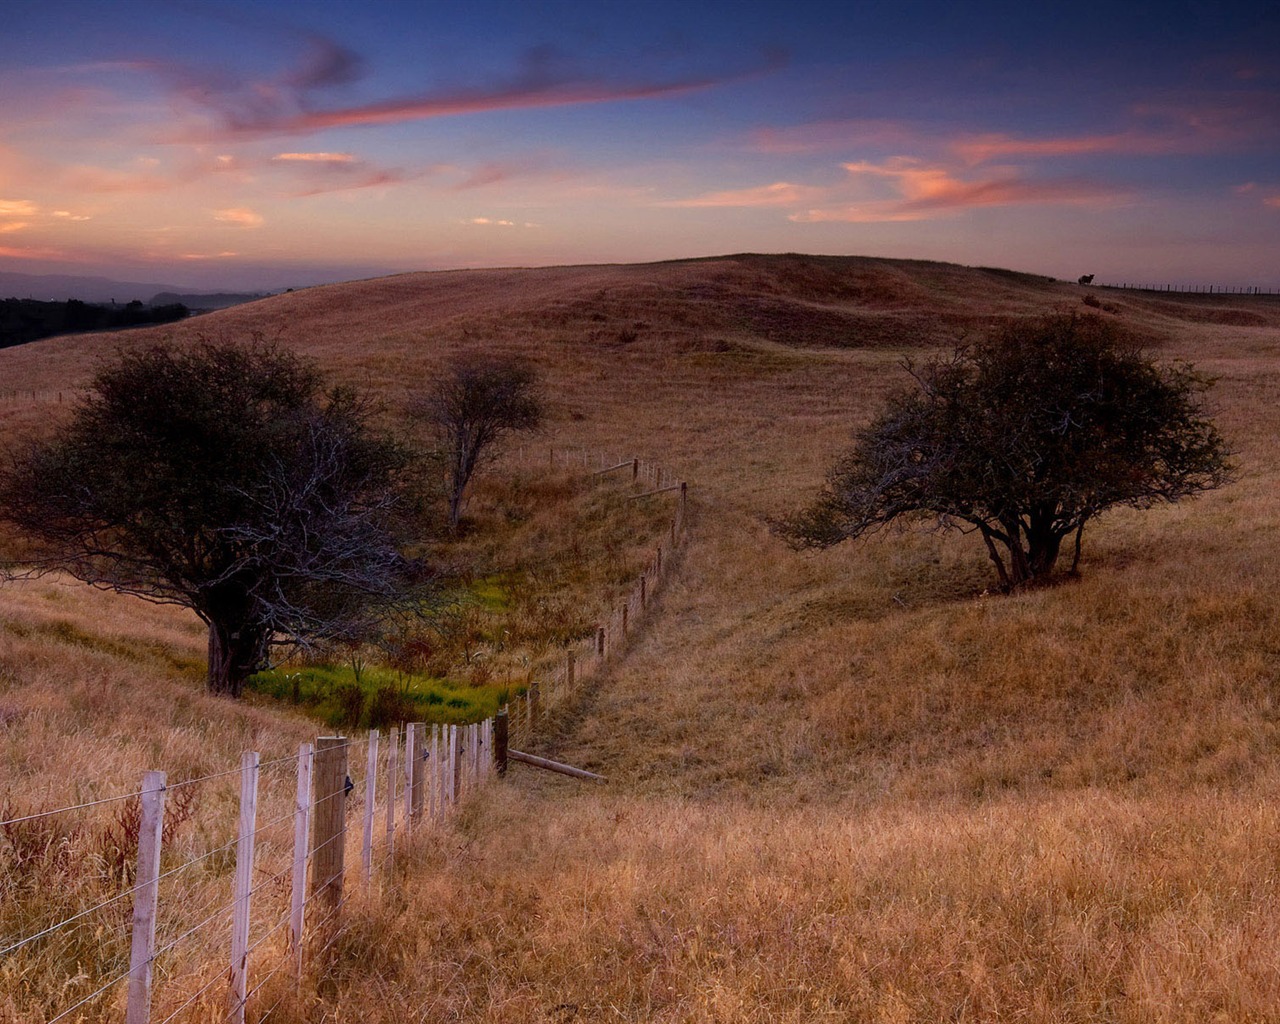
(500, 742)
(433, 774)
(301, 832)
(419, 764)
(644, 596)
(658, 562)
(392, 763)
(410, 753)
(455, 742)
(600, 641)
(330, 819)
(370, 794)
(635, 469)
(535, 702)
(243, 886)
(147, 879)
(624, 617)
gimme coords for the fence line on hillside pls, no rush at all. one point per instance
(18, 396)
(313, 830)
(1193, 289)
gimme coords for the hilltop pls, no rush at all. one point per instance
(851, 785)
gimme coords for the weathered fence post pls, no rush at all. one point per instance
(433, 774)
(600, 641)
(330, 819)
(419, 763)
(243, 886)
(370, 793)
(410, 752)
(535, 702)
(392, 761)
(500, 742)
(635, 470)
(644, 597)
(456, 743)
(150, 833)
(301, 831)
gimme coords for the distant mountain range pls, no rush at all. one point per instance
(60, 287)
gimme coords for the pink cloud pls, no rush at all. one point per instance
(315, 158)
(780, 193)
(370, 180)
(287, 105)
(982, 148)
(18, 208)
(926, 187)
(17, 225)
(240, 216)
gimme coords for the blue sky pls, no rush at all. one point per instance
(265, 144)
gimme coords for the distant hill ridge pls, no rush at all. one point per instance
(61, 287)
(206, 300)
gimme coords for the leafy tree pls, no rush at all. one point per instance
(1024, 438)
(225, 479)
(473, 409)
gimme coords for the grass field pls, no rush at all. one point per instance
(847, 786)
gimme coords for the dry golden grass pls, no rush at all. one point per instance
(844, 786)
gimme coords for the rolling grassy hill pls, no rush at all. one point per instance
(845, 786)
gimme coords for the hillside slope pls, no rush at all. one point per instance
(850, 785)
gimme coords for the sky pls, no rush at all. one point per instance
(267, 144)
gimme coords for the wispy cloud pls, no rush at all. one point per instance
(240, 216)
(289, 104)
(18, 208)
(315, 158)
(979, 149)
(17, 225)
(906, 189)
(780, 193)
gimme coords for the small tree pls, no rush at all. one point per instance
(222, 478)
(472, 410)
(1024, 438)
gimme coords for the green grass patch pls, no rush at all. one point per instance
(379, 697)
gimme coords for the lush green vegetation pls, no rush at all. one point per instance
(374, 696)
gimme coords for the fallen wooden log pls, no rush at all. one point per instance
(553, 766)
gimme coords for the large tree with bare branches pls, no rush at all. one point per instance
(224, 478)
(1024, 438)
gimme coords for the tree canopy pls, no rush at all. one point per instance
(472, 409)
(1024, 438)
(227, 479)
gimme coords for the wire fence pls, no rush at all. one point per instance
(1191, 289)
(262, 858)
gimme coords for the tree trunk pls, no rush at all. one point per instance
(989, 537)
(234, 655)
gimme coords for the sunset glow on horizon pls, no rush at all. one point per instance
(262, 145)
